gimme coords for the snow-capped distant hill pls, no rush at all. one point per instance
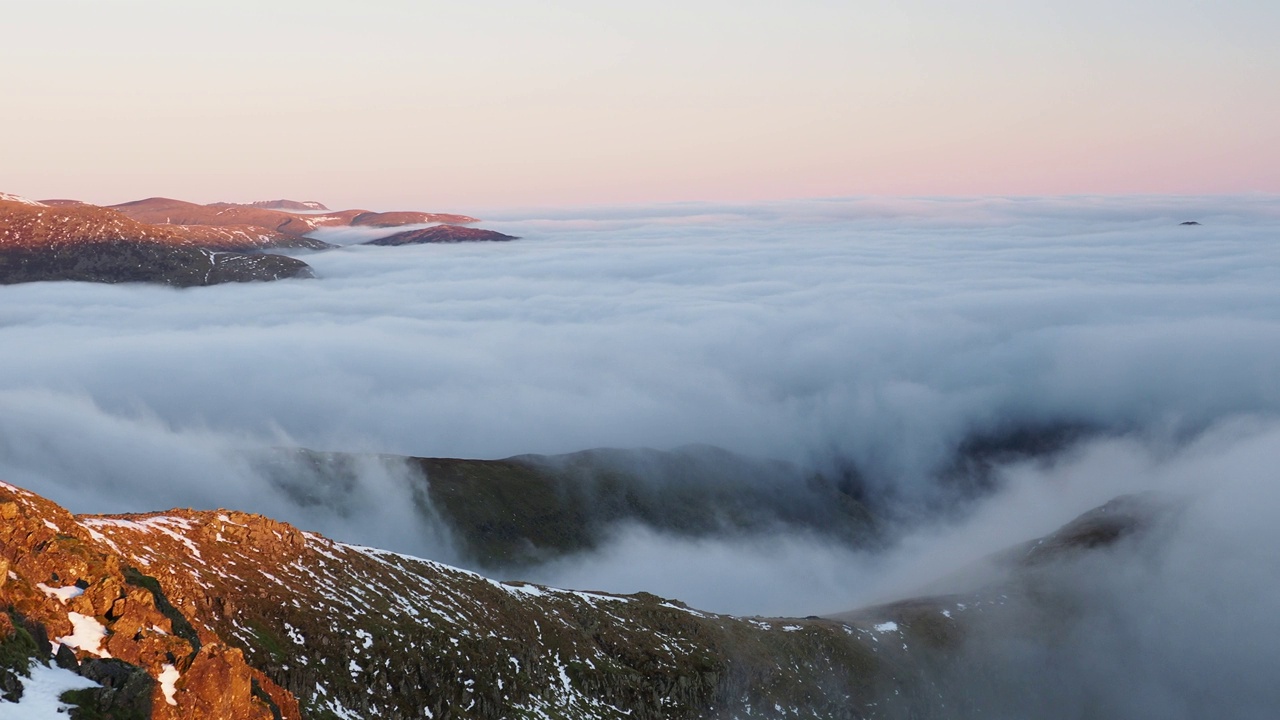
(6, 197)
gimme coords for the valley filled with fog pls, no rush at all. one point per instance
(872, 334)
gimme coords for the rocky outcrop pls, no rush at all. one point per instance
(62, 584)
(442, 234)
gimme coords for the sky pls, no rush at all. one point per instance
(525, 103)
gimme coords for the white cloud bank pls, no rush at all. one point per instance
(878, 331)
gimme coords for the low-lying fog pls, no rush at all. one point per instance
(880, 332)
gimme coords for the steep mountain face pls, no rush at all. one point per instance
(442, 234)
(225, 614)
(85, 242)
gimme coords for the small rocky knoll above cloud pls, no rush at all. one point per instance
(442, 234)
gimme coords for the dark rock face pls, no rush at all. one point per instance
(442, 234)
(124, 261)
(126, 690)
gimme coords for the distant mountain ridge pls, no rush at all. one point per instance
(178, 243)
(288, 205)
(518, 512)
(85, 242)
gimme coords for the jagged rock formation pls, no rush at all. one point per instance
(234, 615)
(442, 234)
(89, 243)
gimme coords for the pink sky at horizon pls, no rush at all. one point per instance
(527, 103)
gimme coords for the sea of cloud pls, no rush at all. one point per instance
(881, 332)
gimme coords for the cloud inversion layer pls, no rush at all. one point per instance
(880, 332)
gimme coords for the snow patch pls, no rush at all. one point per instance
(41, 692)
(886, 627)
(86, 634)
(167, 678)
(366, 637)
(62, 593)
